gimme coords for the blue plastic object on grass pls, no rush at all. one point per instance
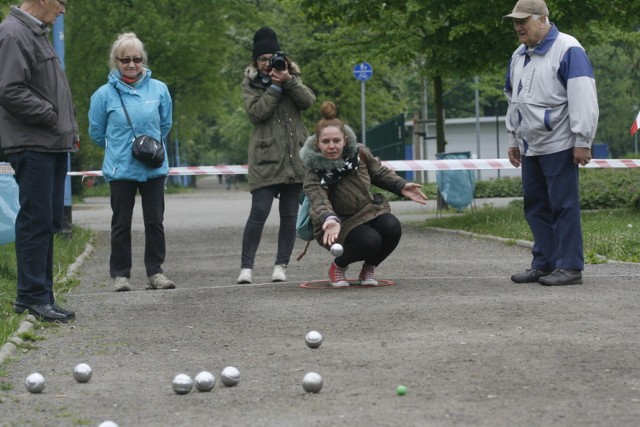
(9, 206)
(457, 187)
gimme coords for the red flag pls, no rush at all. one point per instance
(636, 123)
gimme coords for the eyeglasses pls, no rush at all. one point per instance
(136, 60)
(263, 59)
(62, 3)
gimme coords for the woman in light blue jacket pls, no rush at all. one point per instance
(149, 106)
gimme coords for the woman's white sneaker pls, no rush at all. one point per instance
(121, 284)
(160, 281)
(245, 276)
(279, 273)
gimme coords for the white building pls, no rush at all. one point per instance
(461, 136)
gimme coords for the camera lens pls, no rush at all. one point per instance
(278, 62)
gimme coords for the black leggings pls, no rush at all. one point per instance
(371, 242)
(261, 201)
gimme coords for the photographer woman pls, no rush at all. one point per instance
(149, 107)
(273, 96)
(343, 209)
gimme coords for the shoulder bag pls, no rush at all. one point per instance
(145, 149)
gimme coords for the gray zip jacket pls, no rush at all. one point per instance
(553, 104)
(36, 109)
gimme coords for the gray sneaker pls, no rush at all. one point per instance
(160, 281)
(529, 276)
(561, 277)
(121, 284)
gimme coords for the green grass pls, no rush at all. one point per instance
(612, 233)
(65, 253)
(103, 190)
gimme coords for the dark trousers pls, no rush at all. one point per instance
(552, 208)
(123, 198)
(371, 242)
(261, 201)
(40, 177)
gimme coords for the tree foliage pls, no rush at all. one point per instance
(186, 50)
(201, 49)
(453, 39)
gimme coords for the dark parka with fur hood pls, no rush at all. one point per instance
(350, 199)
(278, 135)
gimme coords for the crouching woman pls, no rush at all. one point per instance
(343, 209)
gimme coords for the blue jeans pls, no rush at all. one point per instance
(261, 201)
(552, 208)
(123, 199)
(40, 177)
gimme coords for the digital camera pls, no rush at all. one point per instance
(278, 61)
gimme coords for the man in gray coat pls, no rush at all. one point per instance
(38, 131)
(551, 124)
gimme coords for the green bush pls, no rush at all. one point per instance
(609, 188)
(599, 188)
(503, 187)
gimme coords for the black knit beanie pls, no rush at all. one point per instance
(265, 41)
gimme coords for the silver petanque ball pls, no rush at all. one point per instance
(204, 381)
(35, 383)
(182, 384)
(312, 382)
(82, 373)
(313, 339)
(230, 376)
(336, 249)
(108, 424)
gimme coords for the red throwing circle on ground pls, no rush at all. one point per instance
(353, 284)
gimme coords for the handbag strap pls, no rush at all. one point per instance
(126, 113)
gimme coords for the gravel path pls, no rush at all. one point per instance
(471, 347)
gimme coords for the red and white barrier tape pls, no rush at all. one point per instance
(397, 165)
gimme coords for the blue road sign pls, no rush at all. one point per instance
(363, 71)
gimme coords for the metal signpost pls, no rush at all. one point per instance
(363, 72)
(58, 46)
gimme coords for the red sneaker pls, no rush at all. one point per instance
(366, 275)
(337, 276)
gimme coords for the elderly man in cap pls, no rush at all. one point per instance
(551, 123)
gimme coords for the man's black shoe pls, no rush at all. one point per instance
(561, 277)
(70, 313)
(42, 312)
(530, 276)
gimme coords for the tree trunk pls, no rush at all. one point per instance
(438, 94)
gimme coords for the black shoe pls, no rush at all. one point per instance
(529, 276)
(42, 312)
(70, 313)
(561, 277)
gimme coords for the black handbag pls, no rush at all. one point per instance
(145, 148)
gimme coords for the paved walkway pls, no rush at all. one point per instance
(471, 347)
